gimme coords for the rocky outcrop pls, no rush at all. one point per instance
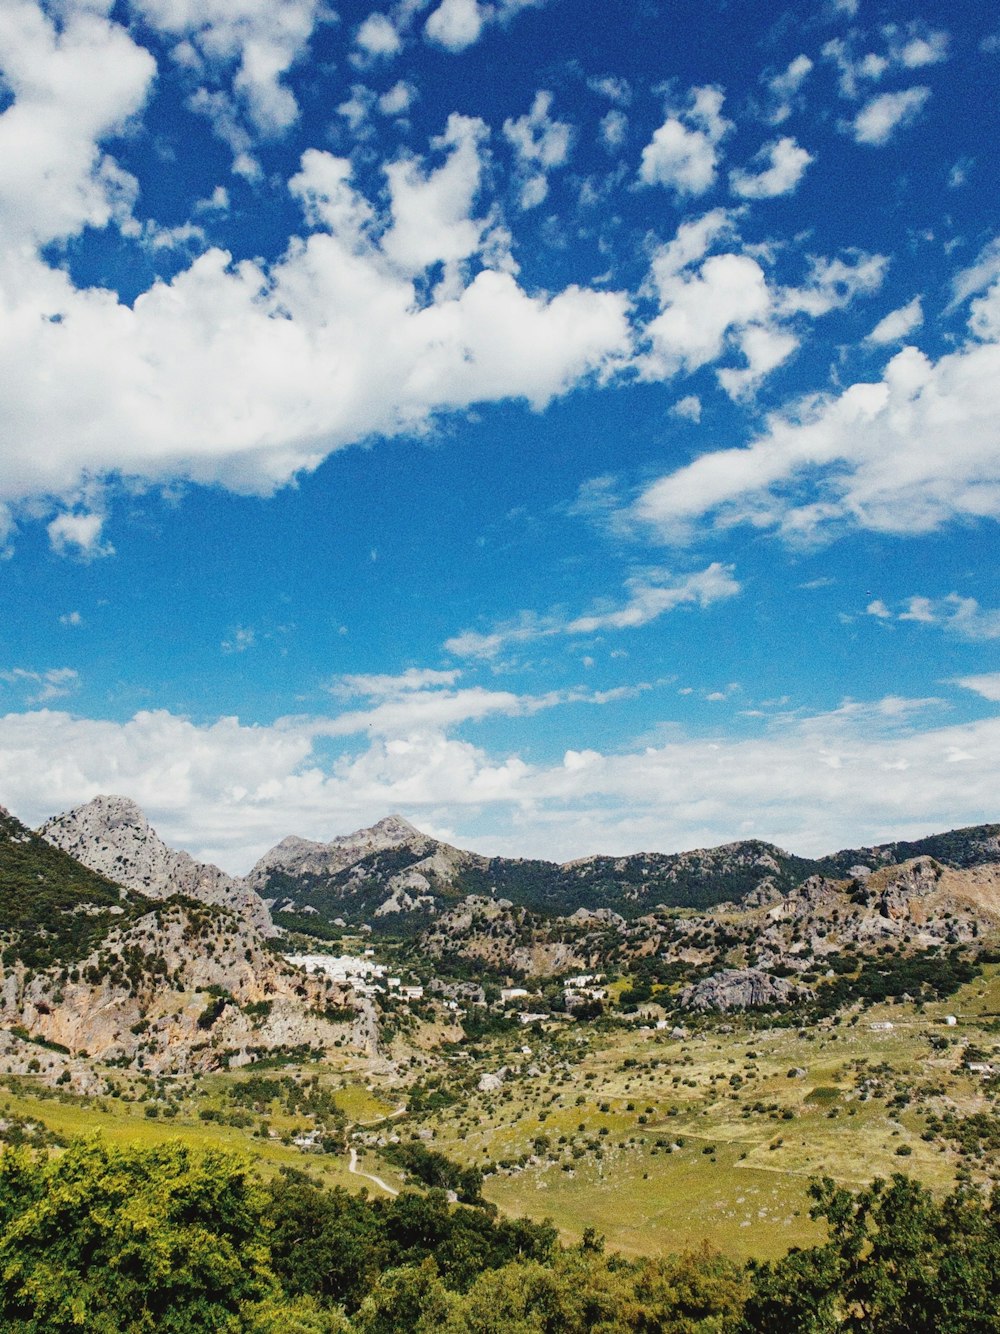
(738, 989)
(182, 987)
(300, 857)
(112, 836)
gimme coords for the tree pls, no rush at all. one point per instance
(123, 1241)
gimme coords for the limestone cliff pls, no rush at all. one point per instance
(111, 835)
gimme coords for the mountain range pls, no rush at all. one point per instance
(114, 946)
(391, 872)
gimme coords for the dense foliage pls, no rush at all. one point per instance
(124, 1241)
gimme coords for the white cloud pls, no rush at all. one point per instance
(71, 618)
(615, 89)
(398, 100)
(878, 609)
(960, 616)
(784, 86)
(456, 24)
(919, 609)
(79, 534)
(650, 595)
(657, 592)
(242, 638)
(895, 326)
(911, 48)
(541, 144)
(244, 374)
(717, 304)
(613, 129)
(781, 166)
(854, 71)
(907, 454)
(263, 39)
(688, 407)
(227, 792)
(987, 685)
(42, 687)
(377, 36)
(879, 119)
(380, 686)
(72, 87)
(977, 277)
(683, 153)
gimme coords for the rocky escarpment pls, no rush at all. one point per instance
(185, 986)
(112, 836)
(738, 989)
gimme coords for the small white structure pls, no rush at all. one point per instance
(950, 1020)
(412, 993)
(883, 1026)
(513, 993)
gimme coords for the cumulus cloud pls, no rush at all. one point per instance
(880, 118)
(898, 324)
(398, 100)
(650, 595)
(459, 24)
(72, 88)
(683, 153)
(541, 144)
(456, 24)
(245, 373)
(906, 454)
(714, 304)
(79, 534)
(378, 37)
(257, 41)
(613, 129)
(688, 407)
(227, 792)
(776, 170)
(783, 88)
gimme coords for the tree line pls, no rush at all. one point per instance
(124, 1240)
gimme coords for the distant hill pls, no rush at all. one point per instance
(959, 848)
(163, 982)
(394, 877)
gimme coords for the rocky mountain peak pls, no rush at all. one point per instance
(111, 835)
(301, 856)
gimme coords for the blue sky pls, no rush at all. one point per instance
(575, 426)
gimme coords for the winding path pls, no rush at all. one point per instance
(352, 1166)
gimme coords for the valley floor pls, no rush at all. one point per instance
(657, 1142)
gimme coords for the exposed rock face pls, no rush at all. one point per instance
(173, 990)
(302, 857)
(112, 835)
(389, 868)
(738, 989)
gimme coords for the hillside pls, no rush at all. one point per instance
(91, 968)
(395, 878)
(112, 836)
(52, 908)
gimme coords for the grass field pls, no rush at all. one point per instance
(658, 1143)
